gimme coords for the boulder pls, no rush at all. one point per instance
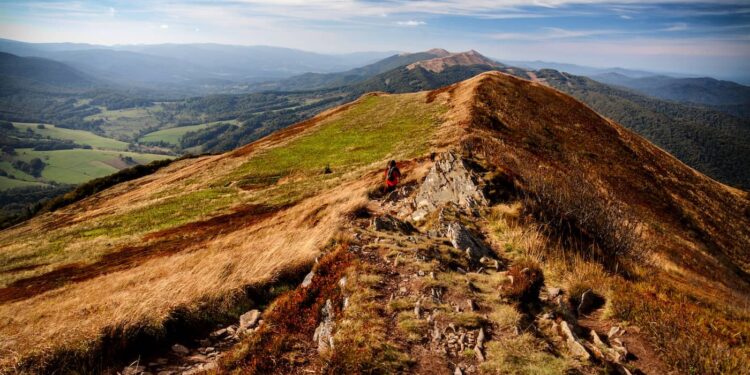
(249, 319)
(449, 181)
(462, 239)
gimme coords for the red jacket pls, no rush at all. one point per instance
(392, 175)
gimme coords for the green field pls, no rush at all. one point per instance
(126, 123)
(9, 183)
(18, 174)
(80, 137)
(79, 165)
(173, 135)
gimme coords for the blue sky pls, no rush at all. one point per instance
(676, 36)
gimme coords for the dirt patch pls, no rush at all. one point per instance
(162, 243)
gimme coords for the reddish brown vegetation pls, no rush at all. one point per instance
(290, 323)
(527, 281)
(527, 130)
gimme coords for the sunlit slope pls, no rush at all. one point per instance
(198, 230)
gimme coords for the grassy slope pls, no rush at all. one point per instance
(173, 135)
(9, 183)
(80, 165)
(80, 137)
(180, 263)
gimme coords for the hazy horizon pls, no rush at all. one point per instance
(688, 37)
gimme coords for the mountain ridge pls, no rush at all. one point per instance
(236, 216)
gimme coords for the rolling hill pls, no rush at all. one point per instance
(39, 74)
(522, 213)
(189, 69)
(703, 90)
(317, 81)
(706, 139)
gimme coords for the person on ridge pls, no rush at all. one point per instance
(392, 176)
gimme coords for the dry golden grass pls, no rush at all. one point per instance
(198, 246)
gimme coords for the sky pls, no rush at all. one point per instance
(694, 37)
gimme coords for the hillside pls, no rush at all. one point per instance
(38, 74)
(702, 90)
(525, 221)
(440, 63)
(180, 70)
(712, 142)
(706, 139)
(317, 81)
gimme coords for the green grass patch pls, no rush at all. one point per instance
(80, 137)
(9, 183)
(78, 165)
(17, 173)
(163, 214)
(126, 123)
(173, 135)
(376, 128)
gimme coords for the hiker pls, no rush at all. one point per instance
(392, 175)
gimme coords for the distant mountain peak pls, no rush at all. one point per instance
(438, 64)
(439, 52)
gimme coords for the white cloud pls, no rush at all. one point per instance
(553, 33)
(411, 23)
(626, 17)
(677, 27)
(164, 26)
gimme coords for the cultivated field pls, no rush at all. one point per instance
(173, 135)
(80, 165)
(80, 137)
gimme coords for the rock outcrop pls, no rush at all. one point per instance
(449, 181)
(462, 239)
(324, 333)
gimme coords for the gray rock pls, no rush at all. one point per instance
(449, 181)
(388, 223)
(249, 319)
(613, 332)
(324, 333)
(462, 239)
(180, 349)
(219, 333)
(308, 279)
(480, 338)
(479, 354)
(574, 344)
